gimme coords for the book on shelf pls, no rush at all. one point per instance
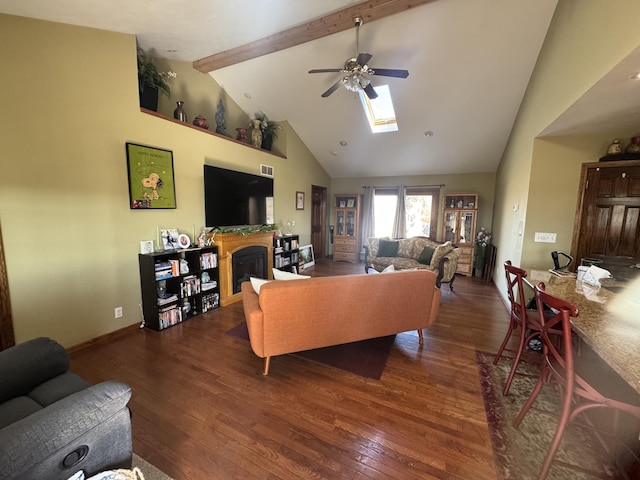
(168, 298)
(208, 286)
(208, 260)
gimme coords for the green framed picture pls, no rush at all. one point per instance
(151, 182)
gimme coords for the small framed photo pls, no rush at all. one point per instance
(343, 204)
(351, 203)
(306, 256)
(170, 238)
(299, 200)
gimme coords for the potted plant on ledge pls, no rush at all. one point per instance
(151, 82)
(269, 130)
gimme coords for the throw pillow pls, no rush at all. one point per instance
(441, 251)
(388, 248)
(280, 275)
(425, 256)
(257, 283)
(388, 269)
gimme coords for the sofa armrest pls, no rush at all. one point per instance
(29, 364)
(40, 435)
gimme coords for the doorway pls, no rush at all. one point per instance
(319, 220)
(6, 323)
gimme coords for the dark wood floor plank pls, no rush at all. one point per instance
(202, 409)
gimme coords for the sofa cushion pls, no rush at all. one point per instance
(374, 243)
(405, 248)
(388, 248)
(426, 255)
(17, 408)
(57, 388)
(257, 283)
(282, 275)
(441, 251)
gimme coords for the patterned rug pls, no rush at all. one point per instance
(519, 453)
(366, 358)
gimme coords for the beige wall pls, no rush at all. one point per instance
(481, 183)
(586, 39)
(70, 103)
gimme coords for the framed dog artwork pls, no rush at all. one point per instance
(151, 182)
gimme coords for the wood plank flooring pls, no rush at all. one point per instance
(202, 410)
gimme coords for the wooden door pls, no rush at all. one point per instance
(6, 323)
(319, 220)
(608, 217)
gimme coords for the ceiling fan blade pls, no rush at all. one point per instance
(333, 88)
(388, 72)
(371, 93)
(325, 70)
(364, 58)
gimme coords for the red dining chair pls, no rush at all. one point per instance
(578, 393)
(520, 318)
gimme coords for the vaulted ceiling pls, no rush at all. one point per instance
(469, 64)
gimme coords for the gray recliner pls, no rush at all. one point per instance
(52, 422)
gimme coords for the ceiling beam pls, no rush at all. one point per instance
(321, 27)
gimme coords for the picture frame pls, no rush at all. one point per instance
(343, 204)
(151, 178)
(306, 256)
(299, 200)
(351, 202)
(170, 238)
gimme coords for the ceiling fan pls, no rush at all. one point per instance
(357, 71)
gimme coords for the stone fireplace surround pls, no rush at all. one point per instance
(230, 243)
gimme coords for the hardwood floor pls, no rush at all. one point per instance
(201, 408)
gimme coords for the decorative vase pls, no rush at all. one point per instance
(267, 141)
(634, 146)
(615, 148)
(201, 122)
(149, 98)
(179, 113)
(242, 135)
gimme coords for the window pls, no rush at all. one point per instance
(421, 208)
(384, 211)
(421, 205)
(379, 111)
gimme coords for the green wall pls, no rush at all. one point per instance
(586, 39)
(70, 101)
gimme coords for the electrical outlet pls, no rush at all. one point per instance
(544, 237)
(118, 312)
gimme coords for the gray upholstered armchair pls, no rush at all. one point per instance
(52, 422)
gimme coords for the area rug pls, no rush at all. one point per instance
(366, 358)
(149, 471)
(519, 453)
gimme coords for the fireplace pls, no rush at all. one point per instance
(229, 246)
(246, 263)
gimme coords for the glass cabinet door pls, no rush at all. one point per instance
(466, 227)
(340, 223)
(451, 227)
(351, 222)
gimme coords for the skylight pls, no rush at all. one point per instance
(379, 111)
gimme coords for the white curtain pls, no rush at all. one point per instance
(400, 221)
(368, 218)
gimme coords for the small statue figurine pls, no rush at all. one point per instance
(615, 148)
(256, 133)
(221, 124)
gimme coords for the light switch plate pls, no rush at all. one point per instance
(544, 237)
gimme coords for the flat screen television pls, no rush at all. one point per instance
(235, 199)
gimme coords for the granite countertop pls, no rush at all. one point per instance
(608, 319)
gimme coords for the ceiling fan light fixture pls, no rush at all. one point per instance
(355, 82)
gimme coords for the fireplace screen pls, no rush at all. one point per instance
(248, 262)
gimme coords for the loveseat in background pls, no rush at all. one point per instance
(410, 253)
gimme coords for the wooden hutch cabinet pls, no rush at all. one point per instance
(346, 244)
(459, 226)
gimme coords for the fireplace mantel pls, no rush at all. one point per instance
(228, 244)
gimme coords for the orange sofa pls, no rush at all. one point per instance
(294, 315)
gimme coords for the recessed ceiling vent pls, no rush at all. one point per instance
(266, 170)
